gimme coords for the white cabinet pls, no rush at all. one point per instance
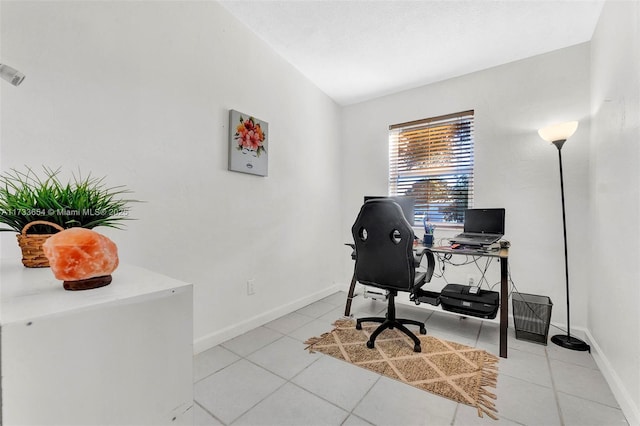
(120, 354)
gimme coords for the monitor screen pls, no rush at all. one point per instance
(406, 203)
(484, 221)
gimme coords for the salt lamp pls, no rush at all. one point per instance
(82, 258)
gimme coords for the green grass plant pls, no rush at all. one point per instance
(82, 202)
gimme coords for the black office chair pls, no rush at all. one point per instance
(385, 259)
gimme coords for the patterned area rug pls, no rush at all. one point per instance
(448, 369)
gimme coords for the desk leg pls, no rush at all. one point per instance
(352, 288)
(504, 305)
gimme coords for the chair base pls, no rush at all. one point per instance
(392, 322)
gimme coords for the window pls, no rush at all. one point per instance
(432, 160)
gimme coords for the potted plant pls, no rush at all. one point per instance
(37, 206)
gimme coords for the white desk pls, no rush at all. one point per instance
(120, 354)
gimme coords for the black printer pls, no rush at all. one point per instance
(472, 301)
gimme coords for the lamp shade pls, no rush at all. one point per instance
(558, 132)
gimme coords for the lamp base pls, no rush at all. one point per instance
(570, 342)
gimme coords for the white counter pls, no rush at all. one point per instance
(119, 354)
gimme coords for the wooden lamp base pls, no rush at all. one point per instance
(88, 284)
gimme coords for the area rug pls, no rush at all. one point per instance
(448, 369)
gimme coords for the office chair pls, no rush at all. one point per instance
(385, 259)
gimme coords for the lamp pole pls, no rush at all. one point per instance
(568, 341)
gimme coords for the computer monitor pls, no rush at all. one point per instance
(484, 221)
(407, 204)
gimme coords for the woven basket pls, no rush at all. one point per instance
(31, 245)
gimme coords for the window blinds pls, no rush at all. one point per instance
(432, 160)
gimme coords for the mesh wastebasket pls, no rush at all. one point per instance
(532, 316)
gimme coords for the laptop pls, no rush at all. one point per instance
(482, 227)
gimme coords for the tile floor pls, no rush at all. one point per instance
(265, 377)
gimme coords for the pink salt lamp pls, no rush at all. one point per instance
(82, 258)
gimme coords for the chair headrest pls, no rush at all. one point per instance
(384, 245)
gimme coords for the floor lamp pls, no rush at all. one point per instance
(558, 135)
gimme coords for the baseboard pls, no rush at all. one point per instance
(627, 405)
(213, 339)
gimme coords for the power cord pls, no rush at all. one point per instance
(444, 259)
(513, 289)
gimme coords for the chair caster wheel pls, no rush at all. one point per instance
(370, 344)
(417, 348)
(423, 330)
(358, 326)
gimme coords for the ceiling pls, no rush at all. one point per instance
(356, 50)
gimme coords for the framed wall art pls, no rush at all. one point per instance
(248, 144)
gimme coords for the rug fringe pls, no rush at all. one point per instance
(340, 323)
(310, 342)
(343, 323)
(488, 378)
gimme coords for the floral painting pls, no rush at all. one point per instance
(248, 145)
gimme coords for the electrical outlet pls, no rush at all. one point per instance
(251, 289)
(471, 280)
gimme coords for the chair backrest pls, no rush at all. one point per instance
(384, 246)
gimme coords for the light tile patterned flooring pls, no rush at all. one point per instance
(265, 377)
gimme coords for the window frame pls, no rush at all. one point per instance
(445, 145)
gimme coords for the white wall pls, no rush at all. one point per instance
(140, 92)
(514, 167)
(614, 318)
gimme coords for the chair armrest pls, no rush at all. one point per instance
(431, 262)
(353, 250)
(418, 253)
(431, 265)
